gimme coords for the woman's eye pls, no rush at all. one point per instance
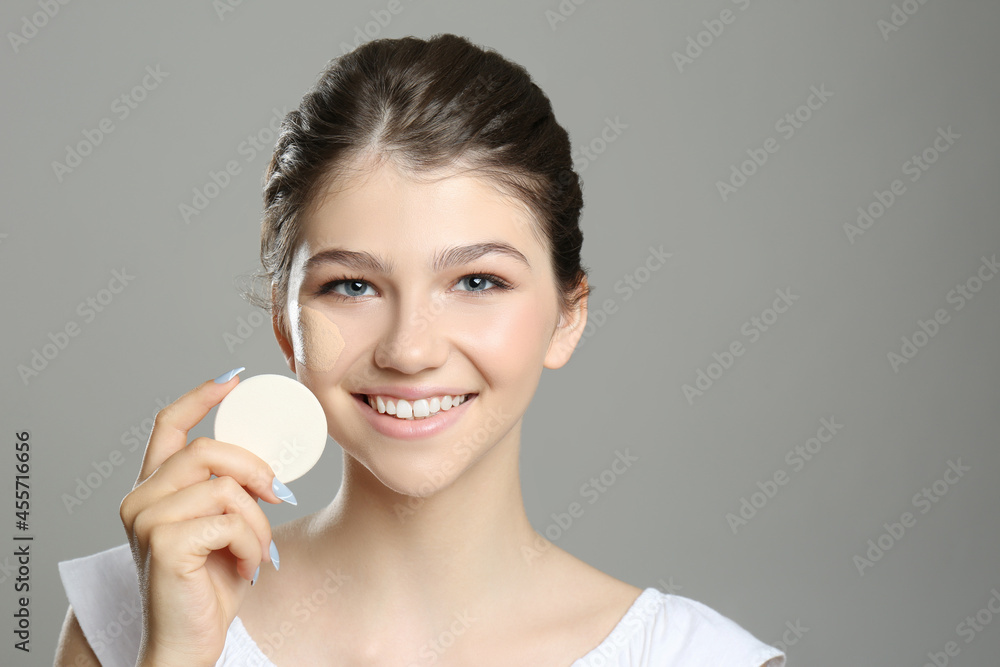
(476, 283)
(350, 288)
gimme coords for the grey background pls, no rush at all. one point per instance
(664, 521)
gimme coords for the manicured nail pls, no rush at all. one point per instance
(283, 492)
(255, 575)
(226, 377)
(274, 555)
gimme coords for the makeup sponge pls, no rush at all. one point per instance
(277, 418)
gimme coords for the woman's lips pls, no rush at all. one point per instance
(411, 429)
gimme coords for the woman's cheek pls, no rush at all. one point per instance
(511, 334)
(321, 342)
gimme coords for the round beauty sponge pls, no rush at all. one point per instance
(278, 419)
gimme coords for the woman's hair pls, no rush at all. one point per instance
(427, 105)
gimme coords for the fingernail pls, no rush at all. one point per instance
(283, 492)
(255, 575)
(274, 555)
(226, 377)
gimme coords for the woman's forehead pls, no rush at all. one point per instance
(390, 205)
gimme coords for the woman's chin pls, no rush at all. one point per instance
(418, 480)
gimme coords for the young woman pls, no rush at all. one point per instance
(422, 247)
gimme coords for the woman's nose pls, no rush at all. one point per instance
(414, 339)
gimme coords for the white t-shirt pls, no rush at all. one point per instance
(658, 630)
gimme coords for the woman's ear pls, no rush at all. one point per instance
(568, 331)
(280, 333)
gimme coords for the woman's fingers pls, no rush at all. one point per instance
(222, 495)
(183, 547)
(205, 457)
(172, 423)
(196, 463)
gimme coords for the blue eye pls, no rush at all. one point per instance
(476, 282)
(353, 287)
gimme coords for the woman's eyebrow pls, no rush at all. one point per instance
(459, 255)
(352, 259)
(360, 260)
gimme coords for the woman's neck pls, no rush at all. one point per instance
(465, 542)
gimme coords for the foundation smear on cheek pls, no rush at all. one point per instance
(321, 342)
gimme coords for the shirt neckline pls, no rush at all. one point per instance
(640, 610)
(644, 606)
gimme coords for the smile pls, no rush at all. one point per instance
(416, 409)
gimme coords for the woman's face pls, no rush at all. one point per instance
(410, 290)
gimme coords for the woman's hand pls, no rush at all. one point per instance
(197, 541)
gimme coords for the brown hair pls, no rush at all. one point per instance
(437, 104)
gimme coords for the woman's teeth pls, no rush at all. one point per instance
(418, 409)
